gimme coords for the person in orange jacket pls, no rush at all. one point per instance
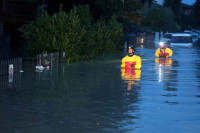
(131, 60)
(163, 51)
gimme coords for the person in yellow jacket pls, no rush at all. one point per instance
(163, 51)
(131, 60)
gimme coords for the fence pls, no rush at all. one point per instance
(10, 74)
(4, 65)
(46, 59)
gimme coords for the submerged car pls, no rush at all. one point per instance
(194, 38)
(193, 32)
(181, 39)
(166, 38)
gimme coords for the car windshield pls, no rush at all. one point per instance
(181, 39)
(167, 36)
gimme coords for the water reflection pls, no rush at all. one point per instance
(163, 62)
(130, 76)
(164, 67)
(160, 64)
(12, 80)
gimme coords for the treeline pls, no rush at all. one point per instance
(74, 32)
(85, 29)
(170, 17)
(145, 12)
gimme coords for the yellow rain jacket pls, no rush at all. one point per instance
(163, 52)
(131, 62)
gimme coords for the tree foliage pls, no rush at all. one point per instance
(106, 36)
(132, 5)
(175, 5)
(160, 19)
(108, 8)
(197, 11)
(74, 32)
(147, 3)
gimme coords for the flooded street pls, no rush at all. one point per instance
(97, 96)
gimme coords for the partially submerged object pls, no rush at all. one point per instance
(40, 68)
(181, 39)
(166, 38)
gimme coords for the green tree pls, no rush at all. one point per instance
(175, 5)
(132, 5)
(115, 35)
(160, 19)
(60, 32)
(196, 7)
(188, 21)
(74, 32)
(147, 4)
(108, 36)
(87, 23)
(108, 8)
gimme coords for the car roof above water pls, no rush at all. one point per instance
(168, 33)
(181, 34)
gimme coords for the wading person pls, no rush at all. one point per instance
(163, 51)
(131, 60)
(130, 68)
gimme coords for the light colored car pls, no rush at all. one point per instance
(181, 39)
(187, 31)
(166, 38)
(196, 31)
(194, 38)
(193, 32)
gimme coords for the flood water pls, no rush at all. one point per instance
(97, 96)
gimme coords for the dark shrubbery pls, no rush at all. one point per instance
(73, 32)
(161, 19)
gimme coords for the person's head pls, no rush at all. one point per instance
(131, 51)
(163, 45)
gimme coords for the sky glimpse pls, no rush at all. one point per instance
(189, 2)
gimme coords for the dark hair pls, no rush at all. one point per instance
(131, 47)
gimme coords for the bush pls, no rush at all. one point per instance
(108, 37)
(73, 32)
